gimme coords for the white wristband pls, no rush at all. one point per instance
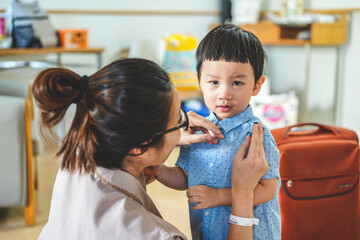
(243, 221)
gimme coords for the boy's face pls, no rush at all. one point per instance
(228, 86)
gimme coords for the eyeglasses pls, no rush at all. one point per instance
(184, 124)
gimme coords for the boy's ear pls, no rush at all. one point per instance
(258, 85)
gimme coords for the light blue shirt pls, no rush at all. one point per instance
(211, 165)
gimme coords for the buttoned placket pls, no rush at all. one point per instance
(211, 180)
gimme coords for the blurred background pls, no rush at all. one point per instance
(312, 46)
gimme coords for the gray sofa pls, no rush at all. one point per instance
(16, 157)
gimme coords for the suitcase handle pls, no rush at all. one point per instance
(321, 128)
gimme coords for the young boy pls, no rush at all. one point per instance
(230, 66)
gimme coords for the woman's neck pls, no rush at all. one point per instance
(132, 167)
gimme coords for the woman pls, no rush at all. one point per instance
(128, 118)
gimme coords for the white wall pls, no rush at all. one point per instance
(349, 109)
(288, 70)
(315, 4)
(287, 65)
(116, 32)
(190, 5)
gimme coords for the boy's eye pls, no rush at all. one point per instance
(236, 83)
(214, 82)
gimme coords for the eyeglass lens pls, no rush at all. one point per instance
(183, 117)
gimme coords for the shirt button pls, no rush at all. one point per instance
(211, 164)
(207, 213)
(218, 125)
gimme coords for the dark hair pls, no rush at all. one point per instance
(123, 106)
(231, 43)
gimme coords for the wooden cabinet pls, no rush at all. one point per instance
(270, 33)
(329, 33)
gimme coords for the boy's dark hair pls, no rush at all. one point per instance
(233, 44)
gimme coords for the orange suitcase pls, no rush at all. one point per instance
(319, 195)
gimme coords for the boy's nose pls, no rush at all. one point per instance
(224, 94)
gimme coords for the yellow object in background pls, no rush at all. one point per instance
(179, 61)
(178, 42)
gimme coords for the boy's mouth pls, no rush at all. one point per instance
(224, 108)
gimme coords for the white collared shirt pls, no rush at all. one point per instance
(107, 204)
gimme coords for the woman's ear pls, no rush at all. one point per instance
(140, 152)
(258, 85)
(143, 155)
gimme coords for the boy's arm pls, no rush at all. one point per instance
(172, 177)
(208, 197)
(265, 191)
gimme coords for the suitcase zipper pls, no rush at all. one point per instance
(345, 185)
(289, 183)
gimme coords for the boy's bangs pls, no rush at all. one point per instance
(225, 49)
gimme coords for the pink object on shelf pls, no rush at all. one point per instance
(2, 26)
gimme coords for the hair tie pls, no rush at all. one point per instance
(83, 87)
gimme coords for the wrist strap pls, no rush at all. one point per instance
(243, 221)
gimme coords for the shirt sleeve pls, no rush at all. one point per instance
(183, 159)
(272, 156)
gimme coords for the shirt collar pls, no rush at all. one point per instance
(228, 124)
(121, 180)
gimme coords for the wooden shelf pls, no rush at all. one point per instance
(54, 50)
(320, 33)
(19, 51)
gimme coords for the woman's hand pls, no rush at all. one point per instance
(211, 133)
(249, 163)
(248, 166)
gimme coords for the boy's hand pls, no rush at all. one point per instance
(204, 196)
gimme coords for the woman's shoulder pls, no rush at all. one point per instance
(137, 222)
(130, 210)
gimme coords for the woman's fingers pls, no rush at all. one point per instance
(195, 138)
(261, 136)
(258, 150)
(211, 133)
(262, 156)
(198, 121)
(243, 149)
(247, 170)
(254, 143)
